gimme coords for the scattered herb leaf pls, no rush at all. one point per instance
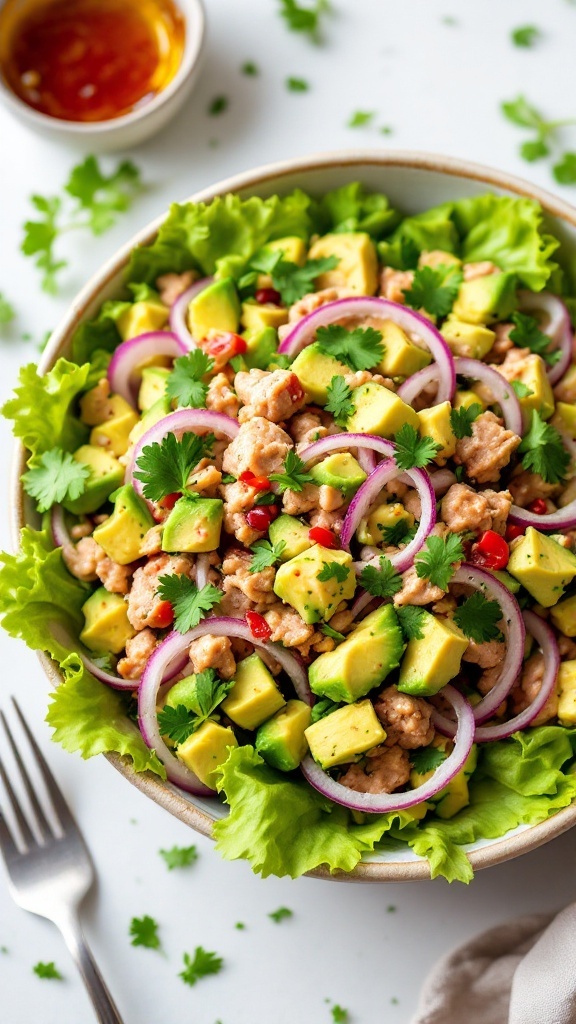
(190, 604)
(46, 970)
(144, 932)
(382, 582)
(360, 348)
(294, 476)
(478, 618)
(265, 554)
(305, 19)
(297, 84)
(526, 36)
(339, 401)
(164, 467)
(527, 334)
(436, 561)
(54, 477)
(179, 856)
(565, 169)
(461, 419)
(7, 311)
(281, 914)
(250, 68)
(218, 105)
(434, 289)
(410, 618)
(361, 118)
(543, 452)
(185, 385)
(200, 966)
(413, 450)
(333, 571)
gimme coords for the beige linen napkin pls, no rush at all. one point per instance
(523, 972)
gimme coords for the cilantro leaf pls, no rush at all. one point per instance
(102, 196)
(250, 68)
(339, 401)
(144, 932)
(520, 389)
(434, 289)
(477, 618)
(413, 450)
(382, 582)
(294, 282)
(40, 237)
(54, 477)
(177, 723)
(47, 970)
(410, 617)
(534, 149)
(202, 964)
(399, 533)
(361, 118)
(324, 707)
(265, 554)
(361, 348)
(190, 604)
(265, 498)
(339, 1014)
(185, 385)
(543, 452)
(164, 467)
(526, 36)
(426, 759)
(294, 476)
(332, 633)
(333, 571)
(179, 856)
(521, 113)
(304, 19)
(209, 691)
(297, 84)
(564, 170)
(436, 561)
(281, 914)
(527, 334)
(461, 419)
(409, 254)
(7, 311)
(218, 105)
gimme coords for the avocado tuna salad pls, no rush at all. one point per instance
(303, 524)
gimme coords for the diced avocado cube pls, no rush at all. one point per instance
(106, 626)
(469, 340)
(401, 357)
(564, 419)
(297, 583)
(435, 423)
(194, 524)
(121, 535)
(535, 377)
(566, 389)
(505, 578)
(206, 749)
(281, 740)
(156, 412)
(114, 433)
(293, 250)
(372, 529)
(254, 696)
(294, 534)
(362, 661)
(486, 299)
(379, 411)
(258, 315)
(152, 386)
(433, 660)
(262, 346)
(438, 258)
(142, 317)
(567, 693)
(215, 308)
(340, 471)
(357, 267)
(542, 566)
(466, 399)
(315, 370)
(453, 797)
(183, 692)
(345, 734)
(106, 474)
(563, 616)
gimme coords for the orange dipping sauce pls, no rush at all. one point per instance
(89, 60)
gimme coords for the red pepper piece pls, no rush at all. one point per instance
(163, 615)
(295, 389)
(513, 531)
(268, 296)
(225, 346)
(320, 535)
(169, 501)
(259, 483)
(490, 551)
(538, 507)
(258, 626)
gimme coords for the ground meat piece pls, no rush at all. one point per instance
(313, 300)
(330, 498)
(526, 486)
(406, 719)
(287, 626)
(213, 652)
(482, 269)
(260, 448)
(502, 344)
(205, 479)
(80, 530)
(295, 503)
(257, 586)
(355, 379)
(328, 521)
(488, 450)
(138, 650)
(306, 427)
(463, 508)
(566, 647)
(116, 578)
(239, 498)
(82, 558)
(487, 655)
(235, 604)
(393, 283)
(220, 397)
(152, 542)
(386, 769)
(445, 606)
(275, 394)
(95, 407)
(412, 503)
(524, 692)
(236, 524)
(342, 621)
(416, 591)
(143, 601)
(172, 286)
(488, 681)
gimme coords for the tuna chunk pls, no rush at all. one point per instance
(276, 395)
(260, 448)
(524, 693)
(406, 719)
(287, 626)
(257, 586)
(221, 398)
(213, 652)
(416, 591)
(525, 487)
(386, 769)
(488, 450)
(463, 508)
(138, 650)
(143, 601)
(393, 284)
(172, 286)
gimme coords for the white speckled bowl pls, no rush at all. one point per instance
(414, 182)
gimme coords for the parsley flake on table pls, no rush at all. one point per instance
(250, 68)
(294, 476)
(400, 533)
(218, 105)
(527, 334)
(185, 385)
(265, 554)
(179, 856)
(54, 477)
(333, 571)
(478, 618)
(47, 970)
(361, 118)
(413, 450)
(461, 419)
(339, 401)
(297, 84)
(324, 707)
(434, 289)
(524, 115)
(565, 169)
(360, 348)
(410, 618)
(281, 914)
(190, 604)
(426, 759)
(164, 467)
(526, 36)
(7, 311)
(542, 451)
(520, 389)
(305, 19)
(200, 965)
(382, 582)
(436, 561)
(144, 932)
(340, 1015)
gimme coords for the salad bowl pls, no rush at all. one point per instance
(413, 182)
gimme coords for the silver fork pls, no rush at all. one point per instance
(51, 875)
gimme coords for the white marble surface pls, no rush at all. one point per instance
(438, 86)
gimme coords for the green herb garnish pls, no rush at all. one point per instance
(190, 604)
(361, 118)
(179, 856)
(265, 554)
(426, 759)
(461, 419)
(333, 571)
(294, 477)
(297, 84)
(55, 476)
(218, 105)
(164, 467)
(434, 289)
(477, 618)
(339, 401)
(47, 970)
(410, 618)
(527, 334)
(305, 19)
(185, 385)
(382, 582)
(281, 914)
(526, 36)
(360, 348)
(543, 452)
(7, 311)
(436, 561)
(200, 965)
(144, 932)
(413, 450)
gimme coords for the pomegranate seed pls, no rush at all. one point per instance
(260, 518)
(538, 507)
(268, 296)
(490, 551)
(320, 535)
(258, 626)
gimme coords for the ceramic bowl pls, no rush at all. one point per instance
(140, 124)
(413, 182)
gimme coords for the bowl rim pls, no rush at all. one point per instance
(163, 793)
(195, 34)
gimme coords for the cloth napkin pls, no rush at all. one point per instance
(523, 972)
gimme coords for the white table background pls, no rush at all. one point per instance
(439, 87)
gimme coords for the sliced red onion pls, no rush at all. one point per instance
(130, 356)
(119, 683)
(414, 385)
(366, 459)
(60, 534)
(559, 521)
(500, 388)
(337, 442)
(304, 332)
(546, 640)
(557, 326)
(381, 803)
(202, 569)
(174, 645)
(179, 310)
(360, 602)
(442, 480)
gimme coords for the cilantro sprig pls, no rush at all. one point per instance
(437, 560)
(281, 914)
(399, 533)
(524, 115)
(294, 477)
(543, 452)
(144, 932)
(164, 467)
(413, 450)
(180, 722)
(265, 554)
(478, 618)
(360, 348)
(185, 384)
(289, 279)
(434, 289)
(333, 571)
(190, 604)
(520, 389)
(461, 419)
(200, 965)
(426, 759)
(55, 477)
(527, 334)
(47, 970)
(383, 581)
(304, 19)
(179, 856)
(410, 618)
(339, 401)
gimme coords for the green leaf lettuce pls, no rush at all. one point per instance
(41, 407)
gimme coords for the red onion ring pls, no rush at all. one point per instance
(381, 803)
(546, 640)
(562, 519)
(122, 371)
(119, 683)
(414, 385)
(202, 569)
(304, 331)
(366, 460)
(170, 648)
(60, 534)
(179, 309)
(442, 480)
(558, 328)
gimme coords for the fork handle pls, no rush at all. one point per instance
(106, 1011)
